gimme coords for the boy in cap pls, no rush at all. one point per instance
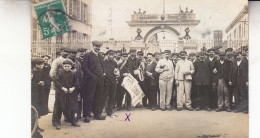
(202, 79)
(57, 67)
(112, 73)
(222, 72)
(66, 83)
(183, 71)
(166, 70)
(47, 79)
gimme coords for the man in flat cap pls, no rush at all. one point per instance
(213, 97)
(121, 91)
(132, 64)
(151, 81)
(183, 76)
(112, 73)
(239, 79)
(223, 70)
(80, 53)
(77, 69)
(47, 79)
(93, 79)
(230, 56)
(203, 81)
(56, 68)
(166, 70)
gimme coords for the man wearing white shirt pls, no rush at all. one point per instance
(183, 71)
(166, 70)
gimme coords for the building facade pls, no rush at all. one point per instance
(80, 12)
(237, 31)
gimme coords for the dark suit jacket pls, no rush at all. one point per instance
(131, 65)
(154, 80)
(89, 64)
(227, 68)
(213, 76)
(202, 73)
(239, 74)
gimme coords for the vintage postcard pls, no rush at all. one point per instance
(139, 68)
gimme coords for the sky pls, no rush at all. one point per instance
(213, 14)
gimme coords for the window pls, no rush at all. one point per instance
(86, 13)
(78, 9)
(69, 37)
(70, 7)
(245, 29)
(235, 34)
(240, 31)
(84, 38)
(82, 11)
(74, 36)
(74, 9)
(34, 29)
(59, 39)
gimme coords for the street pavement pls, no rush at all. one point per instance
(153, 124)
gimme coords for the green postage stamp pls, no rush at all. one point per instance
(52, 18)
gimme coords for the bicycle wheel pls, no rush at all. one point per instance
(34, 120)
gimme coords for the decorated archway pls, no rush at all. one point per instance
(162, 28)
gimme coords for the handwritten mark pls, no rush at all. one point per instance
(127, 117)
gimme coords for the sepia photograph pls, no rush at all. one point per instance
(139, 68)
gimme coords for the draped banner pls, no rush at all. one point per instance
(133, 88)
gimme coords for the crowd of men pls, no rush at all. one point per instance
(91, 81)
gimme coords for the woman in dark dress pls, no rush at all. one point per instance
(38, 97)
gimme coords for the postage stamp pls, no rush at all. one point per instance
(52, 18)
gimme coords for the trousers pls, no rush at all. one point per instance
(223, 94)
(110, 92)
(184, 88)
(165, 93)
